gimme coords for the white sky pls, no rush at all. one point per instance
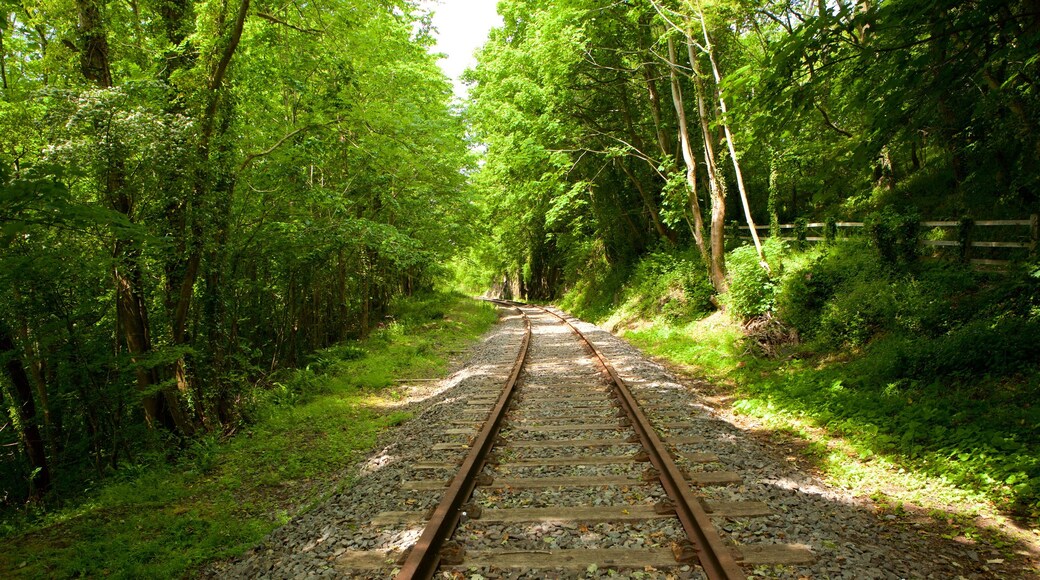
(462, 27)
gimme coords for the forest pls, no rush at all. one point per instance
(649, 163)
(195, 195)
(201, 198)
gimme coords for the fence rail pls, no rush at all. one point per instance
(1027, 241)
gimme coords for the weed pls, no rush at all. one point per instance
(162, 520)
(928, 367)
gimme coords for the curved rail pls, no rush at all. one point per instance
(424, 557)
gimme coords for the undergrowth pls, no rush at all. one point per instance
(667, 284)
(926, 365)
(221, 495)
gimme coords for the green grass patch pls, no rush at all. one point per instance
(927, 367)
(223, 495)
(669, 284)
(981, 435)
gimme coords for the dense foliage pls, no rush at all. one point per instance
(614, 129)
(170, 519)
(624, 139)
(931, 367)
(195, 194)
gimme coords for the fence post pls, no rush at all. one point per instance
(801, 231)
(1034, 234)
(965, 235)
(734, 230)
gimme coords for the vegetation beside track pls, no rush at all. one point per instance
(921, 369)
(220, 495)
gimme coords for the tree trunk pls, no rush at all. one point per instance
(716, 184)
(774, 195)
(366, 294)
(732, 148)
(36, 362)
(93, 54)
(40, 478)
(341, 293)
(3, 57)
(131, 310)
(651, 206)
(863, 28)
(687, 153)
(650, 78)
(211, 192)
(648, 203)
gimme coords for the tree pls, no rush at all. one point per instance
(199, 193)
(824, 109)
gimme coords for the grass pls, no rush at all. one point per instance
(929, 368)
(222, 496)
(934, 463)
(980, 437)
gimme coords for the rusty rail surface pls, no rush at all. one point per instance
(716, 560)
(424, 557)
(714, 557)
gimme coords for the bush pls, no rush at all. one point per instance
(698, 291)
(940, 297)
(752, 291)
(894, 235)
(816, 277)
(866, 308)
(804, 292)
(674, 284)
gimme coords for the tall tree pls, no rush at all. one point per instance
(263, 180)
(40, 476)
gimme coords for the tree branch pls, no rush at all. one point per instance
(276, 20)
(249, 158)
(827, 120)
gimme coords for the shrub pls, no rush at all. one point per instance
(940, 297)
(752, 291)
(674, 284)
(816, 277)
(804, 292)
(698, 291)
(854, 316)
(894, 235)
(801, 231)
(830, 230)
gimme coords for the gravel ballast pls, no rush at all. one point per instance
(844, 533)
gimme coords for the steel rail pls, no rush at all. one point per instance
(424, 557)
(716, 560)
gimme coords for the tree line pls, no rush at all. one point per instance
(616, 128)
(195, 194)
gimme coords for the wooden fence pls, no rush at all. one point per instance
(965, 231)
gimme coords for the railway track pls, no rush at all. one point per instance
(567, 470)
